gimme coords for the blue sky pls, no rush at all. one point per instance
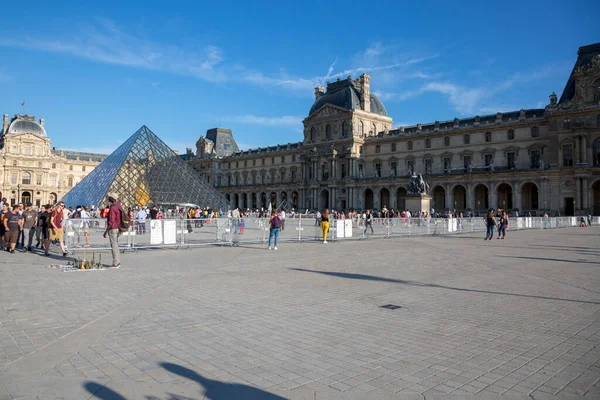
(97, 71)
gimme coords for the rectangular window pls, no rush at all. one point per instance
(272, 160)
(283, 159)
(511, 160)
(378, 170)
(536, 156)
(488, 137)
(427, 143)
(13, 178)
(393, 146)
(511, 134)
(535, 131)
(83, 168)
(263, 161)
(254, 163)
(237, 164)
(428, 166)
(343, 171)
(467, 139)
(410, 145)
(411, 166)
(568, 155)
(293, 175)
(447, 141)
(38, 179)
(53, 180)
(228, 165)
(394, 167)
(245, 163)
(360, 170)
(293, 158)
(447, 166)
(488, 159)
(466, 161)
(378, 149)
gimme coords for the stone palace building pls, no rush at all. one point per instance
(533, 160)
(32, 171)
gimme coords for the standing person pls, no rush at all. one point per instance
(30, 218)
(369, 221)
(113, 224)
(56, 226)
(43, 231)
(502, 224)
(141, 217)
(13, 225)
(3, 213)
(282, 216)
(154, 213)
(325, 224)
(21, 238)
(275, 223)
(85, 224)
(490, 222)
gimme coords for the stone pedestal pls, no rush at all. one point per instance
(420, 202)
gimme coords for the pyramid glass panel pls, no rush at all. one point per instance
(144, 170)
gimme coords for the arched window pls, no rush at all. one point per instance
(597, 90)
(488, 137)
(344, 129)
(596, 150)
(26, 178)
(328, 132)
(53, 165)
(427, 143)
(374, 130)
(361, 129)
(70, 181)
(598, 121)
(313, 134)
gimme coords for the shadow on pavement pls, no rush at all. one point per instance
(216, 390)
(553, 259)
(102, 392)
(413, 283)
(213, 390)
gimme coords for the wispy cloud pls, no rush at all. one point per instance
(285, 120)
(104, 42)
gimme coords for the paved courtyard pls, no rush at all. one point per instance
(518, 318)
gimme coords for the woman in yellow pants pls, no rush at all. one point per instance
(325, 224)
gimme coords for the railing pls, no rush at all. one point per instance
(87, 235)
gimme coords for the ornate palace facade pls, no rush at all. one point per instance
(532, 160)
(32, 171)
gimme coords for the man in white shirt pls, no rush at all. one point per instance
(141, 217)
(282, 218)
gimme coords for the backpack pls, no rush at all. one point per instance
(276, 222)
(125, 222)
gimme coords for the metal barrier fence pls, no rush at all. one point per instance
(85, 235)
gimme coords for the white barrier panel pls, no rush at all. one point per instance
(348, 228)
(170, 232)
(156, 231)
(340, 228)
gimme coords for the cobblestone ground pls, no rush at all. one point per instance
(518, 318)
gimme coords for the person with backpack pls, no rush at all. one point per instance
(275, 223)
(114, 226)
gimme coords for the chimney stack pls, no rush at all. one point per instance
(365, 88)
(42, 122)
(176, 152)
(319, 91)
(5, 124)
(188, 150)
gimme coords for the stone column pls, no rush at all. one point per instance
(449, 197)
(577, 193)
(470, 197)
(584, 193)
(518, 198)
(332, 198)
(493, 194)
(578, 147)
(584, 149)
(333, 173)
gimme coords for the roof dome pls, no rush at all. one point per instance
(20, 126)
(346, 94)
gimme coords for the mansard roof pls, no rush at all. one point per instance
(585, 55)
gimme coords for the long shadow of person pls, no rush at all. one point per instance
(216, 390)
(102, 392)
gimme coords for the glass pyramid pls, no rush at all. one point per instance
(144, 170)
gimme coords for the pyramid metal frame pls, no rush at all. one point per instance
(141, 171)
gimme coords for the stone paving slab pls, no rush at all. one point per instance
(517, 318)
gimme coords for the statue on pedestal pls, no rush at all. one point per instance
(417, 185)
